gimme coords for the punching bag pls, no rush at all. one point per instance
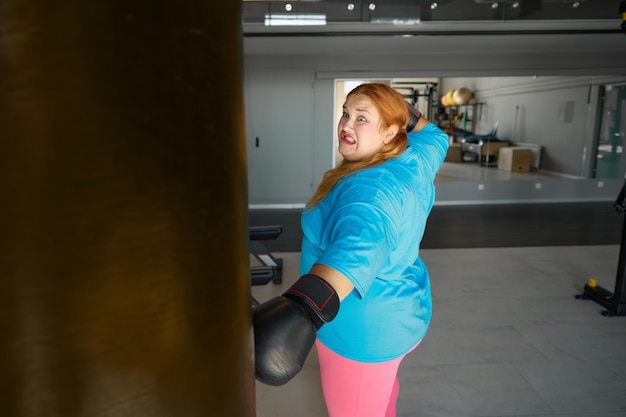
(124, 281)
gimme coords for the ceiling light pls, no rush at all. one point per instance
(295, 19)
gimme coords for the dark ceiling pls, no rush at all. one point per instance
(374, 26)
(371, 11)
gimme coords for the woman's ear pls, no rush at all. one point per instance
(391, 134)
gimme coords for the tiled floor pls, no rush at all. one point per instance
(508, 338)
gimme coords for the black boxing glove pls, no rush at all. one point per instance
(285, 328)
(414, 117)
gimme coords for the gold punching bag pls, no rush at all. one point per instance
(124, 281)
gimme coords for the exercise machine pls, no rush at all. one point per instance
(271, 268)
(614, 302)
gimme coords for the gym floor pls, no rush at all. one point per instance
(508, 337)
(473, 171)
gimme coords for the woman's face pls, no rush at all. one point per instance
(359, 131)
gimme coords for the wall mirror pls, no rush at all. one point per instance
(552, 83)
(555, 127)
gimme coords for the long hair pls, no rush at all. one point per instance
(392, 109)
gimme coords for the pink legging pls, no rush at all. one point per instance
(357, 389)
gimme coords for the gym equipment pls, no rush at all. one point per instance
(419, 94)
(271, 268)
(484, 149)
(462, 96)
(614, 302)
(285, 328)
(450, 98)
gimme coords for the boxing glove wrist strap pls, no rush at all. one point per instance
(317, 296)
(414, 118)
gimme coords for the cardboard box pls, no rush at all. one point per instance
(514, 159)
(454, 154)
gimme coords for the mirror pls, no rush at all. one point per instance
(553, 127)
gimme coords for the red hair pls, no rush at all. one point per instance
(392, 109)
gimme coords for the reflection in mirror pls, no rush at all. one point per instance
(522, 128)
(609, 162)
(556, 117)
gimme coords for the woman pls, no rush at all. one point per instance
(364, 291)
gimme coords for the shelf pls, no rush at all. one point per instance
(458, 120)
